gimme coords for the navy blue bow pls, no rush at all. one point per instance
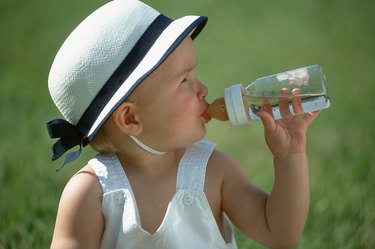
(69, 136)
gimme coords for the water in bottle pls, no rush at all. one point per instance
(306, 87)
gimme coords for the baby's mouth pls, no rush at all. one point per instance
(206, 116)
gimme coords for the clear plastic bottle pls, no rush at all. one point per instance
(306, 85)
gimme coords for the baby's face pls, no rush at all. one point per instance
(172, 101)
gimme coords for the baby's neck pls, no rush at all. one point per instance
(150, 165)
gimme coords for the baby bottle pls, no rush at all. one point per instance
(306, 87)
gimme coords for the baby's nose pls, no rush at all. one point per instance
(202, 91)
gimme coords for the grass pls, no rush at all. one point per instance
(243, 40)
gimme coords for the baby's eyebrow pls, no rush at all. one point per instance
(190, 68)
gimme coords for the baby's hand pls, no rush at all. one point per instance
(286, 137)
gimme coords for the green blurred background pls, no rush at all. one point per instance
(242, 41)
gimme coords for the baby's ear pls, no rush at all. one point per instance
(127, 120)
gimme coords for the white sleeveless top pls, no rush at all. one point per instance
(188, 222)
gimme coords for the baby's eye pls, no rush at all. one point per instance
(188, 77)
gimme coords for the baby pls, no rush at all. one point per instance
(125, 82)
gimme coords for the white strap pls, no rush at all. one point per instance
(110, 173)
(192, 167)
(147, 148)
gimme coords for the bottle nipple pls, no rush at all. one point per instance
(217, 110)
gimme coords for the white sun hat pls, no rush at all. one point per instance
(103, 60)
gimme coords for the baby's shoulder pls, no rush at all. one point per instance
(83, 186)
(224, 167)
(221, 161)
(220, 164)
(79, 208)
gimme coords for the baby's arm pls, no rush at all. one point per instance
(79, 222)
(276, 220)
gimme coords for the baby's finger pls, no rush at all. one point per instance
(268, 121)
(296, 101)
(284, 103)
(311, 116)
(266, 106)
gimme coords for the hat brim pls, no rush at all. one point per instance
(160, 40)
